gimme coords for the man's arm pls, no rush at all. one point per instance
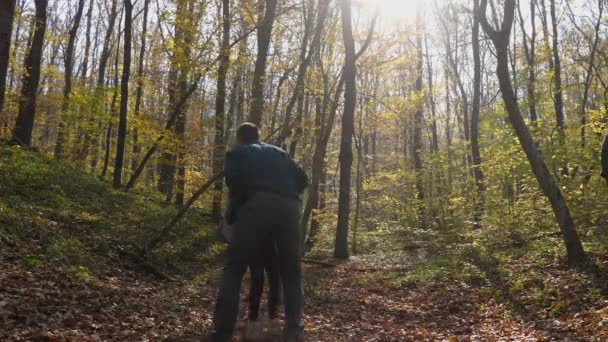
(300, 177)
(230, 169)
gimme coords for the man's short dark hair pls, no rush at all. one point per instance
(247, 132)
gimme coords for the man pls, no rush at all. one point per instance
(604, 156)
(266, 185)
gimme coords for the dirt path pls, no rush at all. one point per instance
(349, 302)
(360, 305)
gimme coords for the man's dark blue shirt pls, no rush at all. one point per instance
(260, 167)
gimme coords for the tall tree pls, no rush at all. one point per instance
(257, 84)
(87, 42)
(500, 39)
(419, 120)
(220, 107)
(558, 101)
(7, 12)
(477, 171)
(173, 169)
(22, 133)
(348, 127)
(124, 97)
(99, 98)
(530, 54)
(139, 91)
(68, 60)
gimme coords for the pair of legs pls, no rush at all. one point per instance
(264, 217)
(265, 261)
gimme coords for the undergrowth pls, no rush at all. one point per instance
(55, 213)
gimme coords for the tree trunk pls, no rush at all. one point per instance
(259, 73)
(348, 121)
(7, 12)
(68, 63)
(99, 97)
(124, 97)
(139, 91)
(478, 172)
(220, 106)
(530, 54)
(557, 77)
(22, 133)
(575, 253)
(113, 110)
(418, 122)
(588, 75)
(181, 65)
(78, 148)
(15, 48)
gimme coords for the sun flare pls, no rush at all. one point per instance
(395, 9)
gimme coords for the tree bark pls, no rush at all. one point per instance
(418, 122)
(259, 73)
(113, 108)
(477, 171)
(124, 97)
(557, 78)
(22, 133)
(348, 121)
(139, 91)
(530, 53)
(220, 107)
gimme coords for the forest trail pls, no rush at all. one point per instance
(359, 300)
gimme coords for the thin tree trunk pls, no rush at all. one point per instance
(346, 152)
(259, 73)
(99, 97)
(478, 172)
(557, 78)
(588, 75)
(7, 13)
(530, 53)
(124, 97)
(78, 148)
(139, 91)
(68, 63)
(113, 111)
(22, 133)
(220, 107)
(19, 15)
(418, 122)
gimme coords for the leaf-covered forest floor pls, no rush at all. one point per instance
(66, 274)
(360, 300)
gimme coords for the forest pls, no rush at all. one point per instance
(452, 149)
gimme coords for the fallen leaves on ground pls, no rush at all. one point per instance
(353, 301)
